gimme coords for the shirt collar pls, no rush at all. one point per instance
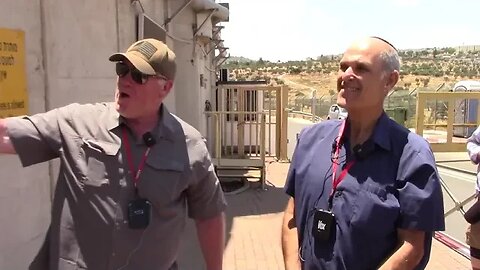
(166, 124)
(381, 132)
(165, 128)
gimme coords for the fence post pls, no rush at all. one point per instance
(450, 119)
(420, 114)
(314, 94)
(278, 120)
(218, 137)
(284, 123)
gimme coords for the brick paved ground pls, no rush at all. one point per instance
(254, 220)
(444, 258)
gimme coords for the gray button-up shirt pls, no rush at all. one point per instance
(89, 228)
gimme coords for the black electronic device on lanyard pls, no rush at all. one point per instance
(323, 219)
(139, 213)
(139, 210)
(323, 224)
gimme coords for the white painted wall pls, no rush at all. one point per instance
(24, 193)
(186, 84)
(77, 49)
(295, 125)
(67, 48)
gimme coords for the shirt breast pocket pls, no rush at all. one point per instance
(98, 162)
(163, 183)
(375, 211)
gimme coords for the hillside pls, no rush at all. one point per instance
(428, 69)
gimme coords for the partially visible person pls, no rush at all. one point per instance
(473, 214)
(130, 173)
(365, 192)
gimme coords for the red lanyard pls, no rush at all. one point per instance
(336, 181)
(136, 176)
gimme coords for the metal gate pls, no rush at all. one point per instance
(249, 123)
(460, 117)
(241, 103)
(455, 104)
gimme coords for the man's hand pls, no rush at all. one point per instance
(410, 251)
(290, 238)
(6, 146)
(211, 235)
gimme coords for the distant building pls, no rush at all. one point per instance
(468, 48)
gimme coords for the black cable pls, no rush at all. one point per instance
(311, 212)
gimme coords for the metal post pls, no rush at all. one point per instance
(314, 94)
(420, 114)
(262, 146)
(458, 205)
(203, 23)
(168, 20)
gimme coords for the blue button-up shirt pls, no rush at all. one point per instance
(395, 186)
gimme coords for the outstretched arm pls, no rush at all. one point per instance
(6, 146)
(211, 235)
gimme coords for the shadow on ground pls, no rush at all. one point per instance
(252, 202)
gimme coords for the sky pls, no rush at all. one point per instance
(282, 30)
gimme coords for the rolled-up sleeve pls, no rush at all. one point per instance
(205, 195)
(419, 191)
(35, 138)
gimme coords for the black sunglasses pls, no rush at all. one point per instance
(122, 69)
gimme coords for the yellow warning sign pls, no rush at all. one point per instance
(13, 81)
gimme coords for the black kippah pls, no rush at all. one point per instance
(379, 38)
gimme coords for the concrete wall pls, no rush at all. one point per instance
(67, 48)
(185, 86)
(193, 61)
(295, 126)
(77, 50)
(24, 193)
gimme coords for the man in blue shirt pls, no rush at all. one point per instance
(365, 192)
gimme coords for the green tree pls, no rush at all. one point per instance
(294, 70)
(260, 62)
(425, 81)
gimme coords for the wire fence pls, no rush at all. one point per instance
(405, 99)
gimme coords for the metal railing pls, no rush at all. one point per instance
(271, 100)
(450, 99)
(241, 143)
(458, 204)
(304, 115)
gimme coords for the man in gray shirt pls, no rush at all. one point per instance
(130, 172)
